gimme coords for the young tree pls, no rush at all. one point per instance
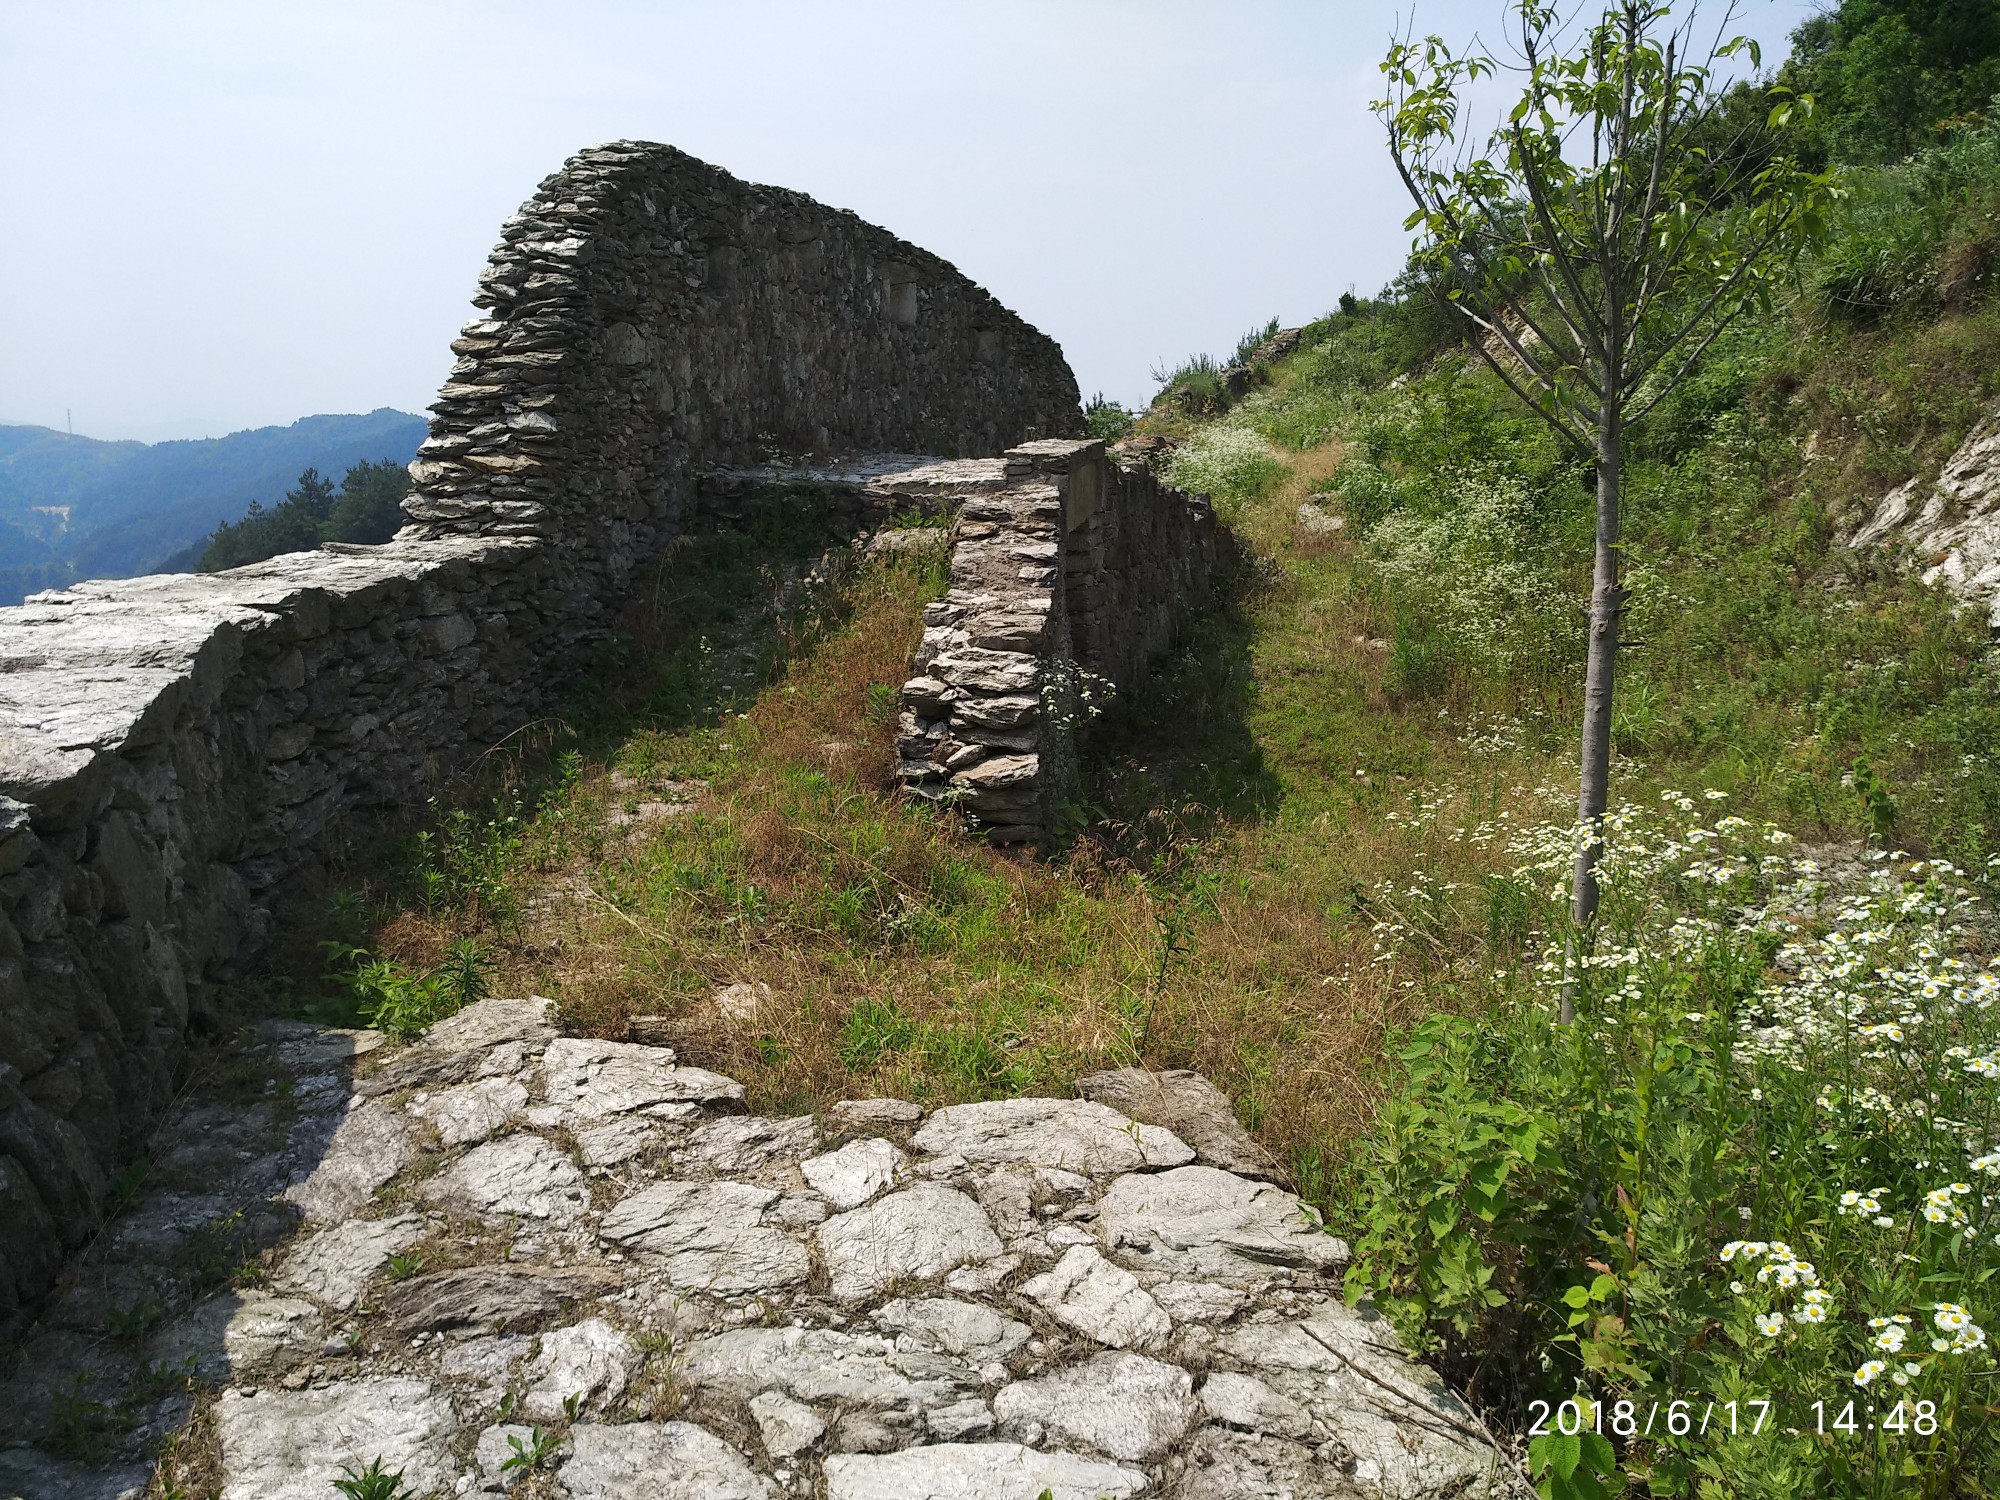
(1598, 239)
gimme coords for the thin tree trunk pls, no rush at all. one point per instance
(1606, 604)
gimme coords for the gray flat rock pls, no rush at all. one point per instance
(849, 1177)
(1245, 1402)
(589, 1080)
(27, 1474)
(977, 1471)
(488, 1298)
(1097, 1298)
(336, 1264)
(919, 1234)
(824, 1365)
(370, 1145)
(517, 1176)
(292, 1445)
(968, 1329)
(1191, 1107)
(708, 1236)
(472, 1112)
(1203, 1224)
(1075, 1135)
(1126, 1405)
(657, 1461)
(488, 1023)
(748, 1142)
(785, 1426)
(590, 1360)
(854, 1115)
(1407, 1434)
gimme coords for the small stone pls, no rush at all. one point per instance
(919, 1233)
(494, 1451)
(519, 1175)
(746, 1143)
(851, 1115)
(741, 1001)
(590, 1360)
(786, 1426)
(1075, 1135)
(984, 1278)
(656, 1461)
(615, 1141)
(977, 1471)
(967, 1329)
(1125, 1405)
(971, 1418)
(1097, 1298)
(855, 1173)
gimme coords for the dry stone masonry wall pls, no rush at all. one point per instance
(512, 1235)
(173, 749)
(1071, 571)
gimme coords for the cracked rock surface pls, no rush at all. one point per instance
(988, 1301)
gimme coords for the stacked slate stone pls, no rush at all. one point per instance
(172, 750)
(653, 318)
(1070, 574)
(579, 1269)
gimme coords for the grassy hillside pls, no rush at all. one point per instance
(75, 507)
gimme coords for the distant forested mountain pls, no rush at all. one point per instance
(76, 507)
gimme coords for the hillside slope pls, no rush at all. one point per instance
(76, 507)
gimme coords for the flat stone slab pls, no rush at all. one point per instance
(657, 1461)
(1205, 1224)
(747, 1142)
(590, 1361)
(826, 1366)
(589, 1080)
(472, 1112)
(977, 1471)
(1191, 1107)
(708, 1236)
(488, 1298)
(1097, 1298)
(371, 1144)
(1075, 1135)
(517, 1176)
(292, 1445)
(969, 1329)
(849, 1177)
(1124, 1405)
(916, 1234)
(333, 1266)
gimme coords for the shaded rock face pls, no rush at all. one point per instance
(174, 749)
(702, 1322)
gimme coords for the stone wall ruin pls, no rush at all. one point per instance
(178, 751)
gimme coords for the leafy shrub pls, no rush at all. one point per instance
(1760, 1166)
(404, 1002)
(1106, 419)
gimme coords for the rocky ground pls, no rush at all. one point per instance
(503, 1261)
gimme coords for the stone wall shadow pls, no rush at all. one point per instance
(172, 1299)
(1176, 755)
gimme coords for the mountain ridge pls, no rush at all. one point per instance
(74, 507)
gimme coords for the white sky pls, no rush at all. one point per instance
(225, 215)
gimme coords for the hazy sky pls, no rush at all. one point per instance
(223, 215)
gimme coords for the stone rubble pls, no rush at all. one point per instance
(988, 1300)
(1947, 529)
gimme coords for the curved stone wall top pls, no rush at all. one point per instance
(653, 317)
